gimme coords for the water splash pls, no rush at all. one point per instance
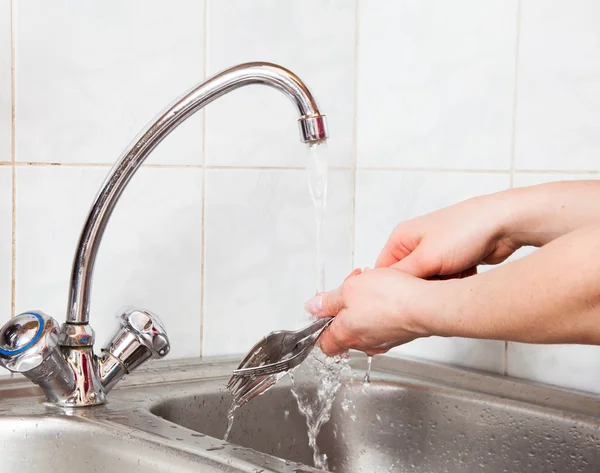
(314, 386)
(367, 379)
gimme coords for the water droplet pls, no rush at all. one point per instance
(212, 449)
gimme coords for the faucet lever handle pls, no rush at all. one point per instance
(29, 345)
(141, 336)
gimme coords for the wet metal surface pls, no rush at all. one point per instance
(413, 417)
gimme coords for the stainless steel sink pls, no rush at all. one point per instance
(32, 444)
(415, 417)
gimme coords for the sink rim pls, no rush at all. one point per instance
(472, 381)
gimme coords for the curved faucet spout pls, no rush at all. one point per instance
(312, 129)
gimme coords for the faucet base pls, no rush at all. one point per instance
(88, 388)
(63, 363)
(76, 335)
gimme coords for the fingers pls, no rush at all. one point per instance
(329, 304)
(355, 272)
(329, 341)
(390, 254)
(417, 264)
(386, 258)
(399, 246)
(336, 341)
(326, 304)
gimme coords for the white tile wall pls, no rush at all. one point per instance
(435, 83)
(5, 172)
(5, 241)
(5, 82)
(5, 247)
(150, 255)
(572, 366)
(90, 75)
(257, 126)
(441, 87)
(558, 103)
(260, 252)
(385, 198)
(533, 179)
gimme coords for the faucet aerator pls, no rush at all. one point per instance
(313, 129)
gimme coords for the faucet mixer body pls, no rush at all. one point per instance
(63, 362)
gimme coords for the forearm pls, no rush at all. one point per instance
(551, 296)
(534, 216)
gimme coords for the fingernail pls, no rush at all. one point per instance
(354, 273)
(314, 305)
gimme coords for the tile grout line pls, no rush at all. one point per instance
(97, 165)
(171, 166)
(203, 220)
(270, 168)
(441, 170)
(513, 135)
(203, 264)
(508, 171)
(515, 94)
(354, 139)
(13, 291)
(555, 171)
(300, 168)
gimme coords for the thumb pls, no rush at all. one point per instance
(417, 264)
(325, 304)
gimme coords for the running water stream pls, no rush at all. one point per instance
(316, 381)
(317, 168)
(367, 379)
(230, 417)
(320, 371)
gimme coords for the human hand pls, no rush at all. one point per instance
(374, 311)
(451, 242)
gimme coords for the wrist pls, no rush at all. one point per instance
(434, 302)
(508, 210)
(449, 307)
(536, 215)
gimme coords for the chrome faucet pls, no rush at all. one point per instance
(62, 361)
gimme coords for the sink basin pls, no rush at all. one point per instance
(122, 436)
(415, 416)
(409, 423)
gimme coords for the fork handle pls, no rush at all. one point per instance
(315, 327)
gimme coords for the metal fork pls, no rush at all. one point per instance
(271, 358)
